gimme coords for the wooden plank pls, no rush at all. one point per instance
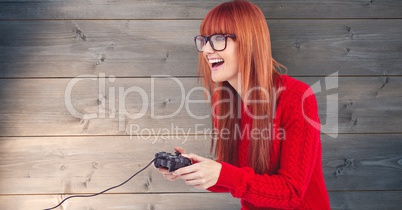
(366, 200)
(43, 165)
(164, 9)
(363, 103)
(339, 200)
(53, 165)
(121, 48)
(105, 105)
(139, 48)
(363, 162)
(197, 201)
(80, 107)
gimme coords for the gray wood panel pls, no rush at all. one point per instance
(80, 107)
(138, 48)
(339, 200)
(50, 165)
(184, 9)
(366, 200)
(52, 144)
(109, 106)
(197, 201)
(363, 162)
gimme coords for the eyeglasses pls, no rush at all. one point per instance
(217, 41)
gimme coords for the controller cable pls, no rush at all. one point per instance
(96, 194)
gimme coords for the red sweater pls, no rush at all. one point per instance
(295, 179)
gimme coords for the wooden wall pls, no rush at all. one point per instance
(70, 69)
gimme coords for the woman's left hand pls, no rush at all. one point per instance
(202, 175)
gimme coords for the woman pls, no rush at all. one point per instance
(268, 153)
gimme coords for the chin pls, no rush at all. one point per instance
(216, 79)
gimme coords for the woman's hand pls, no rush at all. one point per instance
(202, 175)
(165, 172)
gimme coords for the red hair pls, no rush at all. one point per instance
(257, 69)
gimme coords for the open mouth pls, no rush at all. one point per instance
(216, 63)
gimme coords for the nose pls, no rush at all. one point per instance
(208, 49)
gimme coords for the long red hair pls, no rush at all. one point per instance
(257, 69)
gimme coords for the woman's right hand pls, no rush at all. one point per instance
(165, 172)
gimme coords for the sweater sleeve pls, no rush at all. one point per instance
(299, 152)
(218, 189)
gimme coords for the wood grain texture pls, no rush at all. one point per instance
(53, 165)
(363, 162)
(141, 48)
(119, 106)
(197, 201)
(184, 201)
(89, 164)
(184, 9)
(366, 200)
(52, 146)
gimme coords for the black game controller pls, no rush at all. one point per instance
(171, 162)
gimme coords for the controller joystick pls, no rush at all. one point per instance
(171, 162)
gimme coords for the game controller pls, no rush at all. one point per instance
(171, 162)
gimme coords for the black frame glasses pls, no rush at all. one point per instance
(201, 41)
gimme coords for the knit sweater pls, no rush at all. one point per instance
(295, 179)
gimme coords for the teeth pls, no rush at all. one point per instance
(215, 60)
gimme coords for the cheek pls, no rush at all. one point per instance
(233, 63)
(231, 69)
